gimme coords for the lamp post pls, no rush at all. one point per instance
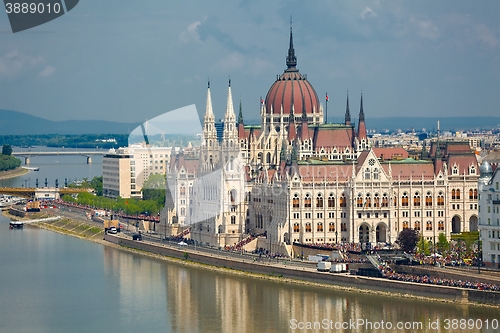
(479, 252)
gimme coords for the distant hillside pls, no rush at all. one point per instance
(18, 123)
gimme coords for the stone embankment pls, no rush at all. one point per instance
(268, 269)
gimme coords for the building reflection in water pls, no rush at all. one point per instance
(188, 299)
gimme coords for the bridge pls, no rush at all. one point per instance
(28, 154)
(31, 192)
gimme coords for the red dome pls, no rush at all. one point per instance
(292, 90)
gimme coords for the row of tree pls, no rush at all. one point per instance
(127, 206)
(68, 141)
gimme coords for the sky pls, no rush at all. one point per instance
(129, 60)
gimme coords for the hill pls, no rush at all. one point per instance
(18, 123)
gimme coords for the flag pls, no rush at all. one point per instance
(326, 97)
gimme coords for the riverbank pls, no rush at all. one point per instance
(276, 271)
(13, 173)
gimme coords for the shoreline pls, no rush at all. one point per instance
(99, 239)
(20, 171)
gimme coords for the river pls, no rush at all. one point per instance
(57, 283)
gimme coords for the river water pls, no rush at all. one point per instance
(57, 283)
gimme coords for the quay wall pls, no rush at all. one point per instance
(459, 295)
(445, 273)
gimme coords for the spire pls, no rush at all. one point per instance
(291, 60)
(304, 129)
(361, 112)
(361, 122)
(347, 112)
(229, 105)
(209, 111)
(240, 115)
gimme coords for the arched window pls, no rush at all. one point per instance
(428, 199)
(453, 194)
(331, 201)
(475, 194)
(471, 194)
(404, 199)
(376, 201)
(307, 201)
(182, 191)
(440, 225)
(233, 219)
(319, 201)
(343, 201)
(268, 158)
(428, 225)
(405, 225)
(296, 227)
(385, 200)
(308, 227)
(359, 200)
(440, 199)
(331, 226)
(416, 199)
(296, 201)
(367, 173)
(319, 227)
(417, 226)
(458, 194)
(368, 201)
(232, 196)
(343, 226)
(375, 173)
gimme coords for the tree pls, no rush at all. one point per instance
(7, 150)
(424, 247)
(442, 243)
(407, 239)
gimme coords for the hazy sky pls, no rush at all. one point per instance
(129, 60)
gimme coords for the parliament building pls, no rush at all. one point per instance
(298, 179)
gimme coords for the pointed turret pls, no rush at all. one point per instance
(209, 131)
(241, 126)
(361, 123)
(291, 60)
(347, 112)
(292, 131)
(304, 128)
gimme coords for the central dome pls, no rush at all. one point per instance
(291, 91)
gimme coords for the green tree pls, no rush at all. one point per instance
(424, 246)
(407, 239)
(442, 244)
(6, 150)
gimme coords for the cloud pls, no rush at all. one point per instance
(14, 63)
(367, 12)
(47, 71)
(191, 33)
(427, 29)
(485, 35)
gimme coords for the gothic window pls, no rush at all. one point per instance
(307, 201)
(455, 170)
(416, 199)
(296, 227)
(331, 201)
(319, 227)
(440, 199)
(428, 225)
(331, 226)
(343, 226)
(475, 194)
(296, 201)
(319, 201)
(308, 227)
(368, 201)
(440, 225)
(359, 201)
(268, 158)
(417, 226)
(375, 173)
(385, 200)
(376, 201)
(404, 199)
(367, 173)
(343, 201)
(428, 199)
(233, 219)
(405, 225)
(182, 191)
(232, 197)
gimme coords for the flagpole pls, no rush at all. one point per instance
(326, 109)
